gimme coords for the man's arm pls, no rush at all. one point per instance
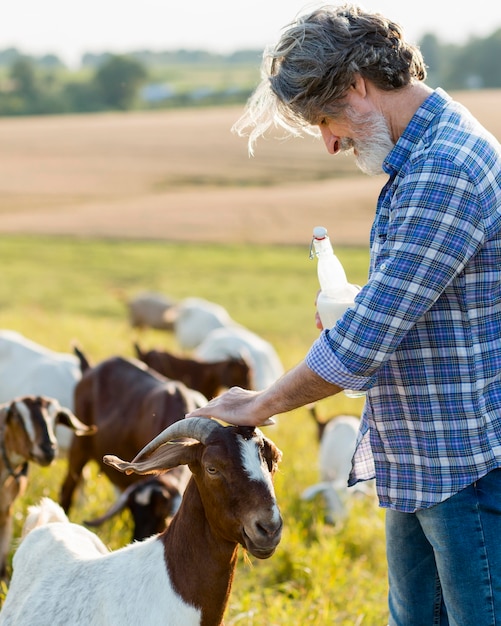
(295, 388)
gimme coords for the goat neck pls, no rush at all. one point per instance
(201, 566)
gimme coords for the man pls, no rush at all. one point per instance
(424, 336)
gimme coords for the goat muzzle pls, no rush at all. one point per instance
(261, 538)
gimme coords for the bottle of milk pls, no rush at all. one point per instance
(336, 293)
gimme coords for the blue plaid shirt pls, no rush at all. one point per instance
(424, 335)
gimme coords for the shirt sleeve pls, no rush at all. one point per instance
(433, 227)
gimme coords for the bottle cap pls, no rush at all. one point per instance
(319, 232)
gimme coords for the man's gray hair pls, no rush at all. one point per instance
(306, 75)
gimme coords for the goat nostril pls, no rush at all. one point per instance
(268, 530)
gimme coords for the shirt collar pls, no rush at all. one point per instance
(413, 134)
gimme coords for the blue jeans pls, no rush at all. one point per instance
(444, 563)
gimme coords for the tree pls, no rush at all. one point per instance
(431, 50)
(118, 81)
(486, 52)
(23, 75)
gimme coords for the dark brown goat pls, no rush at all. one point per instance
(207, 377)
(319, 423)
(152, 502)
(129, 404)
(27, 433)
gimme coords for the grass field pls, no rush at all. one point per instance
(56, 289)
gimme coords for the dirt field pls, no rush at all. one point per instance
(183, 175)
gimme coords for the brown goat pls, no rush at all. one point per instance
(182, 576)
(27, 433)
(129, 404)
(207, 377)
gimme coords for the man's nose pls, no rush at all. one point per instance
(332, 142)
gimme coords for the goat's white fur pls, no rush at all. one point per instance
(209, 330)
(149, 309)
(223, 343)
(28, 368)
(82, 567)
(337, 447)
(194, 318)
(24, 413)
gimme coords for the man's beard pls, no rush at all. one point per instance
(372, 142)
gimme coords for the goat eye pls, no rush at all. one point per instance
(211, 470)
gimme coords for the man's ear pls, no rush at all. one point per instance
(359, 87)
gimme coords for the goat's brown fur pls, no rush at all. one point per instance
(129, 404)
(207, 377)
(201, 544)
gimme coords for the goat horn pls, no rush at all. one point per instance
(115, 508)
(198, 428)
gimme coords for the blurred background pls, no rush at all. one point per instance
(60, 57)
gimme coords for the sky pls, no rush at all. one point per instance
(70, 28)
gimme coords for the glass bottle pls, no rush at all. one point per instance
(336, 293)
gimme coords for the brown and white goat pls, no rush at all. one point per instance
(129, 404)
(183, 576)
(207, 377)
(27, 434)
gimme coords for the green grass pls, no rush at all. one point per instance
(57, 289)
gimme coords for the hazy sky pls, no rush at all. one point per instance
(69, 28)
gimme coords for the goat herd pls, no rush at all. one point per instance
(196, 489)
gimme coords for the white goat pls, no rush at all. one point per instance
(194, 318)
(64, 575)
(222, 343)
(28, 368)
(209, 330)
(337, 446)
(149, 309)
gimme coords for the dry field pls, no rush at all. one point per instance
(182, 175)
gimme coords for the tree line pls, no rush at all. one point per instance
(37, 85)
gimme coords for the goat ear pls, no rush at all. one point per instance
(273, 455)
(10, 411)
(160, 460)
(66, 417)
